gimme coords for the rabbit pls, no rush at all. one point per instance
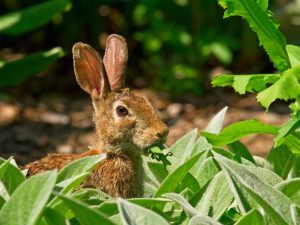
(126, 124)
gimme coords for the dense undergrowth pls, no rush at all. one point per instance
(208, 179)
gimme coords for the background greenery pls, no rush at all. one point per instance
(177, 43)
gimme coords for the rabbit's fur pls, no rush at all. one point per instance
(122, 135)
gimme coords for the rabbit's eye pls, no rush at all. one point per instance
(121, 111)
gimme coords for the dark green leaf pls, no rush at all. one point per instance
(253, 217)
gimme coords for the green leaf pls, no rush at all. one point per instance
(282, 160)
(91, 196)
(158, 170)
(66, 186)
(294, 54)
(217, 197)
(238, 130)
(286, 129)
(173, 179)
(53, 217)
(15, 72)
(240, 150)
(215, 124)
(253, 217)
(286, 88)
(26, 204)
(28, 19)
(182, 149)
(189, 210)
(275, 203)
(79, 166)
(295, 211)
(203, 220)
(84, 214)
(246, 83)
(110, 208)
(3, 167)
(135, 214)
(12, 178)
(289, 187)
(267, 31)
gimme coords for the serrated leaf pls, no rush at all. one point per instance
(79, 166)
(275, 203)
(253, 217)
(26, 204)
(84, 214)
(246, 83)
(15, 72)
(215, 124)
(267, 31)
(28, 19)
(238, 130)
(217, 197)
(135, 214)
(173, 179)
(294, 54)
(286, 88)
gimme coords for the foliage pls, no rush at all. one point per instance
(22, 21)
(285, 58)
(240, 191)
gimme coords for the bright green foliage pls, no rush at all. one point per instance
(267, 31)
(286, 88)
(211, 185)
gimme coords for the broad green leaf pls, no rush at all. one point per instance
(189, 210)
(173, 179)
(3, 167)
(2, 201)
(26, 204)
(53, 217)
(182, 149)
(253, 217)
(217, 197)
(286, 88)
(295, 211)
(12, 178)
(91, 196)
(135, 214)
(15, 72)
(110, 208)
(267, 31)
(266, 175)
(79, 166)
(275, 203)
(158, 170)
(246, 83)
(201, 145)
(215, 124)
(241, 150)
(294, 54)
(203, 220)
(238, 130)
(84, 214)
(66, 186)
(289, 187)
(28, 19)
(282, 160)
(205, 171)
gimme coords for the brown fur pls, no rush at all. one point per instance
(122, 138)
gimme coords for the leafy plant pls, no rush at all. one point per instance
(14, 72)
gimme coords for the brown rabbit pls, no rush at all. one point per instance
(126, 124)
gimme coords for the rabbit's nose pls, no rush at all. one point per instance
(163, 133)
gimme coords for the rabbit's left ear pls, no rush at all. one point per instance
(115, 60)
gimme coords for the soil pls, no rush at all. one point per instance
(30, 129)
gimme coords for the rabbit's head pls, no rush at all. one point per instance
(124, 121)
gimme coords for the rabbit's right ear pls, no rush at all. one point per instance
(89, 70)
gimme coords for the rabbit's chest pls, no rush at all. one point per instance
(118, 176)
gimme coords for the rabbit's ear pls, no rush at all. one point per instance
(89, 70)
(115, 60)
